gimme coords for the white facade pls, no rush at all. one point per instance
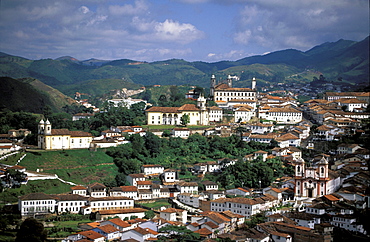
(180, 132)
(187, 187)
(71, 203)
(36, 203)
(169, 176)
(284, 115)
(152, 169)
(244, 114)
(50, 139)
(242, 206)
(215, 114)
(348, 222)
(110, 203)
(259, 128)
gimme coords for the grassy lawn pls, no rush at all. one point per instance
(64, 228)
(12, 160)
(78, 166)
(158, 204)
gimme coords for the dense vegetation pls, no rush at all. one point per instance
(30, 95)
(181, 154)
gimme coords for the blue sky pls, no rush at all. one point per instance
(152, 30)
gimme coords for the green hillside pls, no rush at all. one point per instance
(344, 58)
(30, 95)
(78, 166)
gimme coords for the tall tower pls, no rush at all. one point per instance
(212, 87)
(47, 127)
(299, 176)
(254, 83)
(201, 103)
(229, 81)
(323, 167)
(41, 127)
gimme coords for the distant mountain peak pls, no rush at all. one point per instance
(67, 58)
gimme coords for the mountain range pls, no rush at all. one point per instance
(344, 58)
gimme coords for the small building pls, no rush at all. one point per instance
(134, 178)
(173, 214)
(180, 132)
(152, 169)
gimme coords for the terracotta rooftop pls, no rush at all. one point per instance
(108, 228)
(90, 234)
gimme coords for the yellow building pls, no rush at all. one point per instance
(54, 139)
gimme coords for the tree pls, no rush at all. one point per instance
(166, 133)
(185, 119)
(31, 230)
(149, 214)
(179, 233)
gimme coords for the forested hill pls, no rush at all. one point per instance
(30, 95)
(344, 58)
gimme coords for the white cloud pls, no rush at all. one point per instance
(299, 24)
(174, 31)
(84, 9)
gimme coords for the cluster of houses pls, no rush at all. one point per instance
(326, 191)
(318, 199)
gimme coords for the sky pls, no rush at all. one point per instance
(193, 30)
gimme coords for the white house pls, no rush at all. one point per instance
(152, 169)
(110, 203)
(97, 190)
(180, 132)
(169, 176)
(259, 128)
(244, 114)
(239, 205)
(187, 187)
(36, 203)
(173, 214)
(133, 178)
(70, 203)
(284, 115)
(215, 114)
(287, 140)
(190, 199)
(348, 222)
(108, 231)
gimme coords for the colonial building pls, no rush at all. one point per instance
(53, 139)
(315, 180)
(198, 114)
(284, 115)
(226, 95)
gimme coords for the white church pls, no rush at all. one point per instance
(55, 139)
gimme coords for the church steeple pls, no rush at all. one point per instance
(229, 81)
(212, 87)
(47, 127)
(254, 83)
